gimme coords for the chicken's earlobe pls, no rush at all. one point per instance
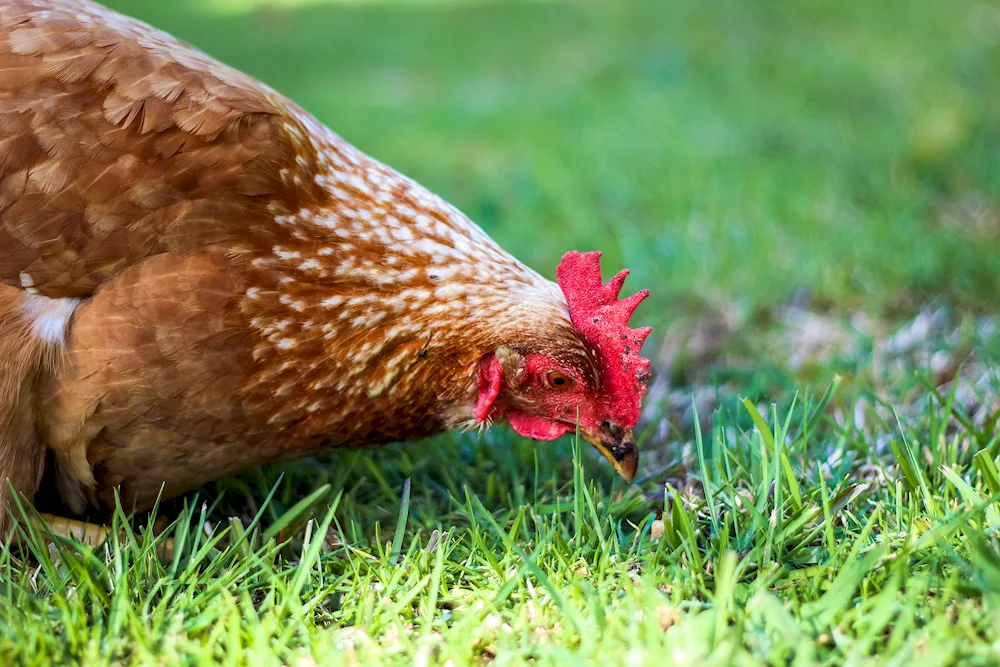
(490, 381)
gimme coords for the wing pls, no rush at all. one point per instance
(118, 142)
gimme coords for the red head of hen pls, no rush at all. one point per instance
(545, 394)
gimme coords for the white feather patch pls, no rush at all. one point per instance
(49, 318)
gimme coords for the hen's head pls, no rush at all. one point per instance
(591, 377)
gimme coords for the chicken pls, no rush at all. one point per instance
(199, 278)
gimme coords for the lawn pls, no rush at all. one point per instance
(811, 192)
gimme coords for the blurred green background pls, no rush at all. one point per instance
(729, 149)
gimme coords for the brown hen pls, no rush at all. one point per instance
(199, 277)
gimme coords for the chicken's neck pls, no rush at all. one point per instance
(373, 307)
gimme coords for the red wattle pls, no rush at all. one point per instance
(536, 428)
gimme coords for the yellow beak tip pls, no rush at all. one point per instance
(627, 467)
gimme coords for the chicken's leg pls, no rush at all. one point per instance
(90, 534)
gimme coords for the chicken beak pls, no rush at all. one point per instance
(617, 445)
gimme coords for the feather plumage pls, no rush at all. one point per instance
(247, 286)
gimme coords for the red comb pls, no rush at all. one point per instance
(602, 320)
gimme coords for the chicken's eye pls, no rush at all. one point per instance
(558, 380)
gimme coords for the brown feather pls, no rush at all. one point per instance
(23, 362)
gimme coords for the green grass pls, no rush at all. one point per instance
(737, 156)
(798, 542)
